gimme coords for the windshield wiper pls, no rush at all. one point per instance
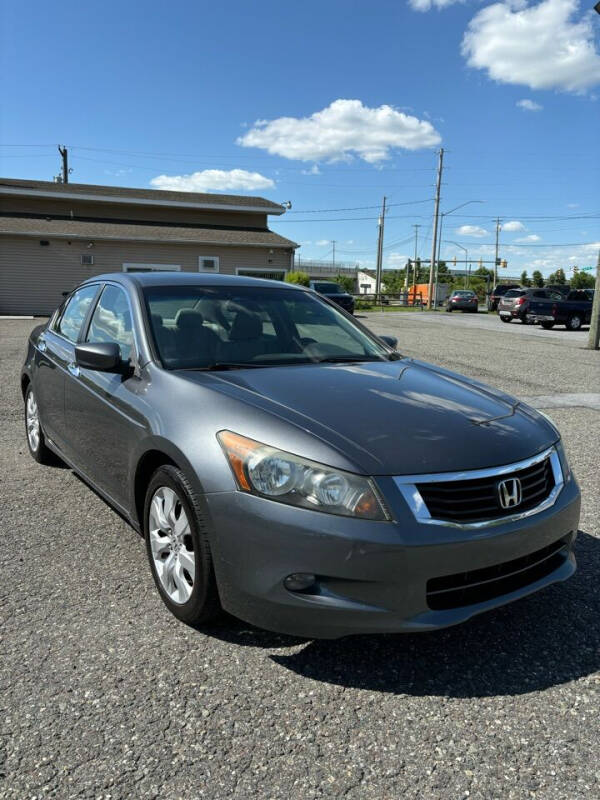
(345, 359)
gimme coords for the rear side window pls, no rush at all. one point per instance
(111, 321)
(78, 305)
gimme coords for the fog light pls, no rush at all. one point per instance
(299, 581)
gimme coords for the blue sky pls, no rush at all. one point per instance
(353, 101)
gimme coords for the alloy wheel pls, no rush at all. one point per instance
(33, 422)
(171, 545)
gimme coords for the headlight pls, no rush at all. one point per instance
(286, 478)
(564, 462)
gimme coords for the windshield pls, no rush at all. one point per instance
(216, 327)
(328, 288)
(463, 294)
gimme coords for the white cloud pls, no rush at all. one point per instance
(529, 105)
(213, 179)
(396, 260)
(427, 5)
(540, 46)
(513, 226)
(314, 170)
(323, 242)
(472, 230)
(533, 237)
(572, 205)
(343, 129)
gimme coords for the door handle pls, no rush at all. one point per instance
(73, 369)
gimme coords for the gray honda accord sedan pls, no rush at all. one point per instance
(287, 465)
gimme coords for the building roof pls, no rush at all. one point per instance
(121, 194)
(75, 229)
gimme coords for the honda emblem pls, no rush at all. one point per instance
(510, 493)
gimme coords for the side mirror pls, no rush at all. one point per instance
(391, 341)
(102, 356)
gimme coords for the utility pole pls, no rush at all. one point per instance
(594, 335)
(380, 253)
(416, 227)
(333, 260)
(435, 227)
(65, 163)
(496, 254)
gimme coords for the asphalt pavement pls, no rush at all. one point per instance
(104, 694)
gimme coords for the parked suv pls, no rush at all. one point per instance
(333, 291)
(497, 292)
(516, 302)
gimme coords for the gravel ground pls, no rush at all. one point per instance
(103, 694)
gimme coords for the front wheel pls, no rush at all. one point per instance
(506, 319)
(178, 548)
(35, 436)
(574, 322)
(547, 325)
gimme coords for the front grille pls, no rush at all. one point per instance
(481, 585)
(478, 500)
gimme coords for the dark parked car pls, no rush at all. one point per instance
(573, 311)
(497, 292)
(334, 292)
(289, 466)
(462, 300)
(515, 304)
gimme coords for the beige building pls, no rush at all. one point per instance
(54, 235)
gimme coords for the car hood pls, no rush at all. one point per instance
(393, 417)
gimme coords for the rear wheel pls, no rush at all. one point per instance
(33, 428)
(178, 548)
(547, 325)
(574, 322)
(506, 319)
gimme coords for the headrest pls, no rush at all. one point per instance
(188, 320)
(157, 320)
(245, 326)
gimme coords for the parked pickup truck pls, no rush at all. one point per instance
(572, 312)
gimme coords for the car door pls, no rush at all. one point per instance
(103, 408)
(55, 352)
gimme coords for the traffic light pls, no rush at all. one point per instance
(504, 264)
(454, 261)
(575, 269)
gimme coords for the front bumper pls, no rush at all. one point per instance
(372, 576)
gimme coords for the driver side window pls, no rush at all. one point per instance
(111, 321)
(71, 320)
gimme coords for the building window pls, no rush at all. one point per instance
(208, 263)
(134, 267)
(87, 259)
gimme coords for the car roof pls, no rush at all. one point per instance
(172, 278)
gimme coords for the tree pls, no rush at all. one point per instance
(537, 278)
(524, 279)
(557, 277)
(347, 283)
(582, 280)
(300, 278)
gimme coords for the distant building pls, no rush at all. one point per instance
(54, 235)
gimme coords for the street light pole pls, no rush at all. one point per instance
(442, 215)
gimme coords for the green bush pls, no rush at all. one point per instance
(300, 278)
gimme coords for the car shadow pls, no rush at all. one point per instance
(544, 640)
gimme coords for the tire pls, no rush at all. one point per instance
(574, 323)
(33, 431)
(171, 499)
(506, 319)
(449, 310)
(547, 325)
